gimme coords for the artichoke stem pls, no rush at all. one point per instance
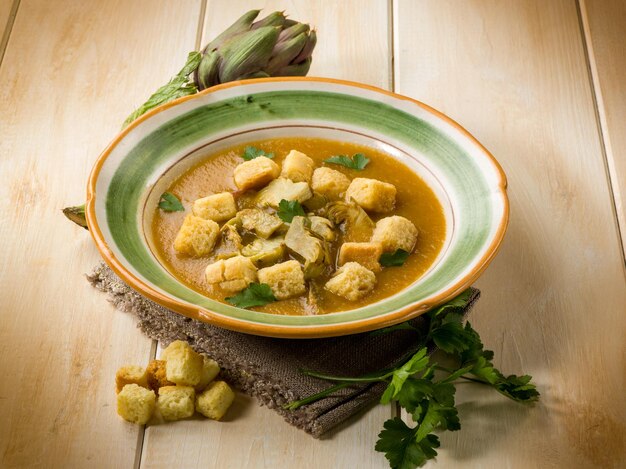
(77, 215)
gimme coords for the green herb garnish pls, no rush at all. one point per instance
(170, 203)
(177, 87)
(287, 209)
(257, 294)
(250, 153)
(395, 259)
(358, 161)
(429, 399)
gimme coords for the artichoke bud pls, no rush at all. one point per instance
(247, 53)
(293, 31)
(243, 24)
(295, 70)
(259, 74)
(285, 52)
(208, 70)
(307, 50)
(273, 19)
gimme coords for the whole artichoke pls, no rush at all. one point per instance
(270, 47)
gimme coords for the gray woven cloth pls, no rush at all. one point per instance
(268, 368)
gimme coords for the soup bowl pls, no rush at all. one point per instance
(128, 178)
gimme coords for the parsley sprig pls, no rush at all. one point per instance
(287, 209)
(358, 161)
(170, 203)
(250, 153)
(257, 294)
(426, 390)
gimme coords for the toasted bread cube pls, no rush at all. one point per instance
(330, 183)
(210, 369)
(372, 195)
(183, 365)
(366, 254)
(215, 400)
(395, 233)
(232, 275)
(216, 207)
(298, 167)
(176, 402)
(197, 236)
(286, 189)
(255, 173)
(285, 279)
(352, 281)
(157, 377)
(136, 404)
(130, 374)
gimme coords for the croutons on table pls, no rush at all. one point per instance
(395, 233)
(232, 274)
(136, 404)
(216, 207)
(131, 374)
(352, 281)
(157, 377)
(285, 279)
(197, 236)
(215, 400)
(373, 195)
(176, 402)
(255, 173)
(182, 364)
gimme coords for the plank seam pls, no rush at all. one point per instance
(8, 28)
(600, 115)
(142, 433)
(201, 21)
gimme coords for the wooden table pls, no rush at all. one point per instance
(540, 83)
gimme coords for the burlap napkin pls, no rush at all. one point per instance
(268, 368)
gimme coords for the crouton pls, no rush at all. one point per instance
(232, 275)
(215, 400)
(285, 279)
(395, 233)
(130, 374)
(255, 173)
(176, 402)
(298, 167)
(197, 236)
(136, 404)
(352, 281)
(372, 195)
(210, 369)
(330, 183)
(286, 189)
(157, 377)
(182, 364)
(216, 207)
(366, 254)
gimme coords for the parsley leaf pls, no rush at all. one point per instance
(250, 153)
(398, 442)
(170, 203)
(416, 363)
(257, 294)
(287, 209)
(395, 259)
(358, 161)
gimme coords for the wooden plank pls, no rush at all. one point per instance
(604, 25)
(255, 436)
(515, 75)
(71, 74)
(8, 9)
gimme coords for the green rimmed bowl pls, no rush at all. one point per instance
(128, 177)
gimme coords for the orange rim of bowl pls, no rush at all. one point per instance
(406, 313)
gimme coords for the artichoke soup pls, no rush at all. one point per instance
(298, 226)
